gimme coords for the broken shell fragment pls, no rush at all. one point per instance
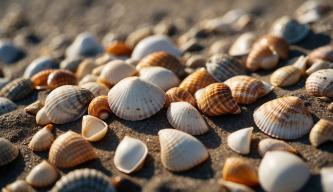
(162, 77)
(240, 141)
(326, 174)
(178, 94)
(42, 175)
(8, 151)
(93, 129)
(17, 89)
(321, 132)
(242, 44)
(43, 139)
(320, 83)
(6, 105)
(269, 144)
(18, 186)
(99, 107)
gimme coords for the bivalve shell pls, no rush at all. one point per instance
(323, 53)
(71, 63)
(39, 80)
(85, 44)
(6, 105)
(38, 65)
(17, 89)
(240, 141)
(178, 94)
(119, 49)
(85, 68)
(311, 11)
(43, 139)
(8, 151)
(161, 77)
(96, 88)
(93, 129)
(242, 44)
(42, 175)
(87, 79)
(269, 144)
(321, 132)
(320, 83)
(18, 186)
(326, 175)
(99, 107)
(61, 77)
(34, 107)
(9, 53)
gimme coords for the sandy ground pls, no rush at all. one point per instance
(49, 18)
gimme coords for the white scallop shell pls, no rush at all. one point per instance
(96, 88)
(282, 171)
(320, 83)
(183, 116)
(240, 141)
(93, 129)
(85, 44)
(135, 99)
(42, 175)
(6, 105)
(180, 151)
(160, 76)
(38, 65)
(326, 175)
(130, 155)
(242, 44)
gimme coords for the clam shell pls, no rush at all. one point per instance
(6, 105)
(9, 53)
(323, 53)
(246, 89)
(96, 88)
(17, 89)
(34, 107)
(180, 151)
(85, 68)
(99, 107)
(93, 129)
(240, 171)
(38, 65)
(61, 77)
(284, 118)
(317, 65)
(242, 44)
(282, 171)
(42, 175)
(289, 29)
(311, 11)
(64, 104)
(18, 186)
(320, 83)
(71, 63)
(183, 116)
(39, 80)
(153, 44)
(321, 132)
(161, 77)
(87, 79)
(85, 44)
(234, 187)
(8, 151)
(178, 94)
(269, 144)
(216, 99)
(135, 99)
(130, 155)
(326, 174)
(70, 149)
(240, 141)
(43, 139)
(119, 49)
(222, 67)
(84, 180)
(276, 44)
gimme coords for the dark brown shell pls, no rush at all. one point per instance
(61, 77)
(99, 107)
(119, 49)
(177, 94)
(39, 80)
(17, 89)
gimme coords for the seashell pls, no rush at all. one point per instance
(39, 80)
(261, 57)
(284, 118)
(162, 59)
(61, 77)
(282, 171)
(216, 99)
(234, 187)
(42, 175)
(311, 11)
(240, 141)
(84, 180)
(17, 89)
(130, 155)
(269, 144)
(64, 104)
(71, 63)
(180, 151)
(317, 65)
(43, 139)
(85, 44)
(93, 129)
(98, 70)
(70, 149)
(195, 61)
(242, 44)
(183, 116)
(289, 29)
(8, 152)
(119, 49)
(178, 94)
(135, 99)
(246, 89)
(18, 186)
(320, 83)
(197, 80)
(112, 37)
(321, 132)
(38, 65)
(240, 171)
(87, 79)
(85, 68)
(222, 67)
(9, 53)
(322, 53)
(136, 36)
(6, 105)
(34, 107)
(99, 107)
(115, 71)
(161, 77)
(96, 88)
(276, 44)
(326, 174)
(220, 46)
(153, 44)
(104, 59)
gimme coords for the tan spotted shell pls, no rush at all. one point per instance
(42, 175)
(99, 107)
(43, 139)
(320, 83)
(178, 94)
(8, 151)
(321, 132)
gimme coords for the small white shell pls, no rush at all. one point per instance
(42, 175)
(326, 175)
(18, 186)
(85, 44)
(96, 88)
(38, 65)
(183, 116)
(240, 141)
(6, 105)
(93, 129)
(282, 171)
(130, 155)
(234, 187)
(43, 139)
(242, 44)
(320, 83)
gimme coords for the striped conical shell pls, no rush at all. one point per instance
(269, 144)
(8, 151)
(99, 107)
(320, 83)
(42, 175)
(43, 139)
(197, 80)
(160, 76)
(321, 132)
(322, 53)
(178, 94)
(284, 118)
(17, 89)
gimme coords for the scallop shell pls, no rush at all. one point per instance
(39, 80)
(321, 132)
(6, 105)
(119, 49)
(115, 71)
(162, 59)
(99, 107)
(85, 68)
(34, 107)
(61, 77)
(284, 118)
(269, 144)
(130, 155)
(320, 83)
(135, 99)
(85, 44)
(282, 171)
(216, 99)
(222, 67)
(180, 151)
(183, 116)
(234, 187)
(42, 175)
(70, 149)
(8, 152)
(323, 53)
(93, 129)
(18, 186)
(17, 89)
(317, 65)
(38, 65)
(71, 63)
(326, 174)
(96, 88)
(64, 104)
(178, 94)
(240, 141)
(246, 89)
(87, 79)
(161, 77)
(242, 44)
(153, 44)
(43, 139)
(240, 171)
(289, 29)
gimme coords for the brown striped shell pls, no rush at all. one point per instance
(177, 94)
(61, 77)
(71, 149)
(216, 99)
(8, 151)
(269, 144)
(42, 175)
(320, 83)
(321, 132)
(39, 80)
(43, 139)
(99, 107)
(17, 89)
(322, 53)
(119, 49)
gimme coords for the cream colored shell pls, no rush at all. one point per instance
(320, 83)
(269, 144)
(239, 141)
(326, 175)
(162, 77)
(43, 139)
(42, 175)
(93, 129)
(321, 132)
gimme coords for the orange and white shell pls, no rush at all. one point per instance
(321, 132)
(43, 139)
(99, 107)
(42, 175)
(178, 94)
(269, 144)
(320, 83)
(197, 80)
(61, 77)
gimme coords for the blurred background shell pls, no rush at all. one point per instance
(17, 89)
(242, 44)
(61, 77)
(8, 151)
(269, 144)
(85, 44)
(71, 63)
(323, 53)
(39, 80)
(321, 132)
(161, 77)
(6, 105)
(18, 186)
(38, 65)
(96, 88)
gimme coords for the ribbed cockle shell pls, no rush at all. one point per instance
(178, 94)
(321, 132)
(320, 83)
(8, 151)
